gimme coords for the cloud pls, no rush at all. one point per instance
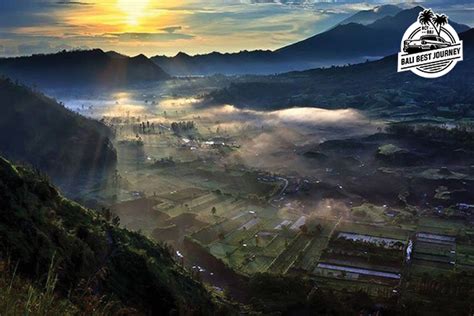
(73, 3)
(171, 29)
(272, 139)
(146, 37)
(303, 115)
(166, 27)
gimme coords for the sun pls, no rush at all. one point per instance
(134, 10)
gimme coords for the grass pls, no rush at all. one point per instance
(19, 296)
(435, 249)
(465, 255)
(419, 268)
(290, 254)
(259, 264)
(89, 249)
(185, 194)
(353, 286)
(369, 212)
(313, 253)
(275, 247)
(440, 225)
(221, 250)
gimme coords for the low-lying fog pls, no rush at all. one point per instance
(268, 140)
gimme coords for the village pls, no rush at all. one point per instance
(189, 181)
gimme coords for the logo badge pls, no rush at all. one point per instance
(430, 47)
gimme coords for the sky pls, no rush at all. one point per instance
(166, 27)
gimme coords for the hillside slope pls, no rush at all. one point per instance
(37, 130)
(37, 223)
(81, 68)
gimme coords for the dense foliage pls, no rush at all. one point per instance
(37, 224)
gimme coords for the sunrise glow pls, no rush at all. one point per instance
(133, 10)
(163, 27)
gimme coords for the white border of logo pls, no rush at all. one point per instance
(432, 63)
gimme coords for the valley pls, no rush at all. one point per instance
(352, 202)
(236, 158)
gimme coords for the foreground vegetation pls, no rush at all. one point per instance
(90, 254)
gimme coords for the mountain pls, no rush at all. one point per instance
(45, 235)
(37, 130)
(81, 68)
(375, 40)
(372, 85)
(348, 42)
(261, 62)
(343, 41)
(365, 17)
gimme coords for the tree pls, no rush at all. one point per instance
(427, 17)
(107, 214)
(116, 221)
(439, 21)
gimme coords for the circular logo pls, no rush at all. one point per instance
(430, 47)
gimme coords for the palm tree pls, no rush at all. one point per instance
(437, 21)
(425, 17)
(440, 20)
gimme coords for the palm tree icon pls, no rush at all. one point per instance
(440, 20)
(426, 17)
(437, 21)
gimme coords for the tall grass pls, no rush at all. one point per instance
(20, 296)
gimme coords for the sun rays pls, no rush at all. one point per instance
(134, 10)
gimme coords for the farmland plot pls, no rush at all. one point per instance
(284, 261)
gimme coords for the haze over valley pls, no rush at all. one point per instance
(264, 182)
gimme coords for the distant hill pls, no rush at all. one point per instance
(37, 130)
(365, 17)
(375, 40)
(93, 258)
(245, 62)
(349, 42)
(81, 68)
(372, 85)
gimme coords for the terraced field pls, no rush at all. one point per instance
(284, 261)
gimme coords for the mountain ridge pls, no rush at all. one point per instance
(364, 86)
(81, 68)
(376, 39)
(345, 43)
